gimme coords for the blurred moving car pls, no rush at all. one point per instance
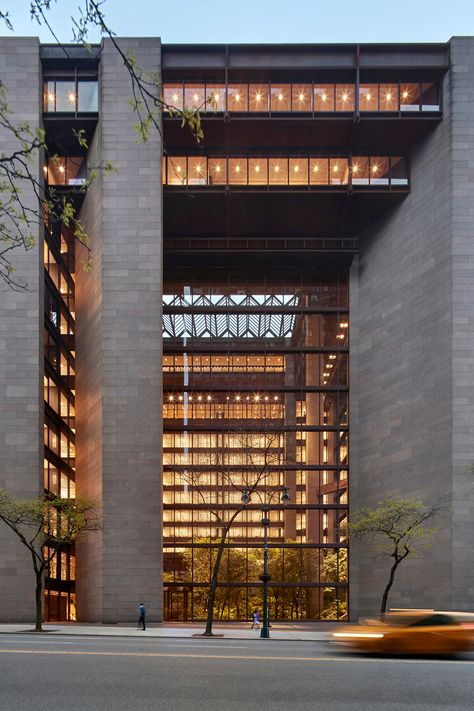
(408, 632)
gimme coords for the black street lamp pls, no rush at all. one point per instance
(265, 578)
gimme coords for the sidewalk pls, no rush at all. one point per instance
(304, 631)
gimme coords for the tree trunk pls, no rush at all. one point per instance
(213, 587)
(39, 601)
(389, 585)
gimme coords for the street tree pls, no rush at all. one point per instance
(44, 526)
(258, 455)
(397, 527)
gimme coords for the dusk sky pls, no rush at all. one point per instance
(264, 20)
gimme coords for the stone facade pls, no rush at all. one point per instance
(21, 348)
(412, 401)
(119, 386)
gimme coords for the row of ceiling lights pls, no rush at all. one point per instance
(259, 96)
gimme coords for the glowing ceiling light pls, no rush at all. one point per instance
(237, 168)
(72, 97)
(171, 398)
(61, 169)
(405, 94)
(324, 97)
(190, 398)
(45, 169)
(237, 397)
(343, 324)
(345, 97)
(200, 398)
(209, 398)
(340, 335)
(248, 397)
(180, 398)
(266, 397)
(276, 397)
(50, 97)
(175, 97)
(280, 97)
(258, 97)
(257, 398)
(198, 168)
(218, 170)
(178, 169)
(301, 97)
(195, 98)
(276, 168)
(297, 168)
(375, 168)
(336, 168)
(355, 168)
(325, 382)
(388, 96)
(316, 168)
(257, 169)
(332, 357)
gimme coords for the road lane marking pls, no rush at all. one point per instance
(240, 657)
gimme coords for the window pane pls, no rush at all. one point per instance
(215, 97)
(301, 97)
(324, 97)
(344, 97)
(258, 97)
(197, 171)
(379, 170)
(217, 171)
(237, 171)
(398, 172)
(319, 171)
(49, 97)
(360, 170)
(278, 171)
(75, 170)
(429, 97)
(258, 174)
(88, 99)
(409, 97)
(368, 97)
(237, 97)
(298, 171)
(56, 173)
(194, 96)
(176, 170)
(281, 97)
(339, 171)
(173, 95)
(388, 97)
(65, 96)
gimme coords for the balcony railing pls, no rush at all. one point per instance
(282, 171)
(304, 98)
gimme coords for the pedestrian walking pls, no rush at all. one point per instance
(255, 620)
(141, 619)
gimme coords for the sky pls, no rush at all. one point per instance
(262, 21)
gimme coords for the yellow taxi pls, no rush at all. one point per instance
(408, 632)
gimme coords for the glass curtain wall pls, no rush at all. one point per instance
(256, 397)
(59, 405)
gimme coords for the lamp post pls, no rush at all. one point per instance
(265, 578)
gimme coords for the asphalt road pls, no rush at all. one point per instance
(129, 674)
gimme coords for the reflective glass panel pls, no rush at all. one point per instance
(281, 97)
(301, 97)
(324, 95)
